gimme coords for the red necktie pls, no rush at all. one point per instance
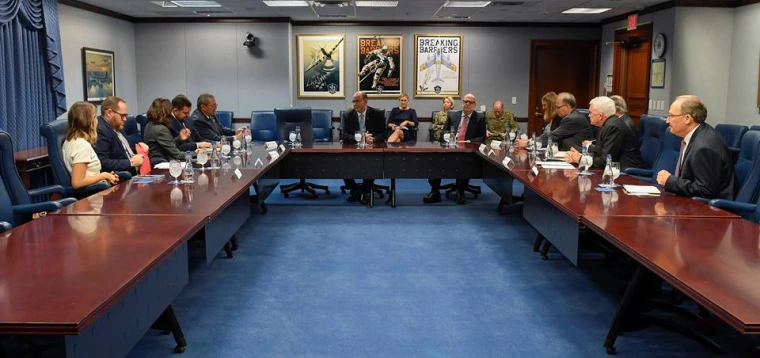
(680, 154)
(463, 129)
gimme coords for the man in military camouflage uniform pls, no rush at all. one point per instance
(497, 121)
(378, 60)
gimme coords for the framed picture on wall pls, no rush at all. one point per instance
(379, 60)
(657, 78)
(321, 66)
(98, 74)
(437, 65)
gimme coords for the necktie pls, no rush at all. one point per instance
(124, 143)
(680, 158)
(362, 126)
(463, 128)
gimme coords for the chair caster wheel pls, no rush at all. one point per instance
(342, 191)
(286, 195)
(544, 257)
(611, 350)
(180, 349)
(327, 192)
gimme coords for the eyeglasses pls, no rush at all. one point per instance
(564, 105)
(212, 105)
(677, 115)
(123, 115)
(468, 102)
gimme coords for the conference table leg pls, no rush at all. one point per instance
(393, 193)
(558, 228)
(618, 319)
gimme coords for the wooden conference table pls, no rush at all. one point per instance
(86, 274)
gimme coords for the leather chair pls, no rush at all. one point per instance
(732, 134)
(142, 120)
(654, 128)
(131, 132)
(754, 128)
(263, 126)
(748, 177)
(225, 118)
(451, 188)
(16, 205)
(585, 113)
(287, 119)
(55, 134)
(321, 123)
(376, 189)
(669, 150)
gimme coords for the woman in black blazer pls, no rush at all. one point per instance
(161, 144)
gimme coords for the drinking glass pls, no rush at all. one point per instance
(175, 169)
(225, 149)
(202, 159)
(248, 140)
(292, 138)
(539, 145)
(236, 144)
(358, 138)
(615, 170)
(585, 162)
(555, 147)
(512, 136)
(446, 138)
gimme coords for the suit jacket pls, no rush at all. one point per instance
(191, 143)
(707, 169)
(161, 143)
(629, 122)
(112, 154)
(617, 139)
(374, 121)
(572, 131)
(209, 128)
(476, 127)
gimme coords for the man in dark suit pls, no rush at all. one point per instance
(704, 167)
(573, 129)
(205, 122)
(621, 111)
(362, 118)
(179, 124)
(615, 138)
(112, 147)
(469, 126)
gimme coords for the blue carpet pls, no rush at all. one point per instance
(333, 279)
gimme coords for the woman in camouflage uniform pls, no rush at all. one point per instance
(439, 119)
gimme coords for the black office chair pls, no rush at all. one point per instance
(451, 188)
(287, 120)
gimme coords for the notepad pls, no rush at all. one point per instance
(643, 190)
(556, 165)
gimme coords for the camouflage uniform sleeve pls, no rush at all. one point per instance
(512, 121)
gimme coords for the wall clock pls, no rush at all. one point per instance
(659, 45)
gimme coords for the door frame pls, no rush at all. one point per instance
(620, 58)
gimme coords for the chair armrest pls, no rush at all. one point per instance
(5, 226)
(29, 209)
(700, 199)
(639, 172)
(735, 150)
(124, 175)
(732, 205)
(65, 201)
(89, 190)
(52, 189)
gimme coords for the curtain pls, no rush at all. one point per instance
(31, 83)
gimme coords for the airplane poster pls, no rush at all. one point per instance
(98, 72)
(321, 64)
(379, 63)
(437, 65)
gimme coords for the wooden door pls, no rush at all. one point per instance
(630, 69)
(561, 66)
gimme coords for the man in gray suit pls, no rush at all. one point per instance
(574, 128)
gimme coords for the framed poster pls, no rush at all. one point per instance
(657, 79)
(437, 65)
(379, 65)
(321, 64)
(98, 74)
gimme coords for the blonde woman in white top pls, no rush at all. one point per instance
(78, 154)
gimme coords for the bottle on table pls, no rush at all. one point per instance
(188, 170)
(549, 149)
(608, 179)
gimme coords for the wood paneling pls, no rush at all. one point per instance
(630, 70)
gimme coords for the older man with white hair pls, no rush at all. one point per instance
(615, 138)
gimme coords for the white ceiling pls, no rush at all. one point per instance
(408, 10)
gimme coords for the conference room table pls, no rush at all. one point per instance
(96, 262)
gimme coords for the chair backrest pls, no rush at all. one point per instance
(131, 132)
(748, 168)
(671, 147)
(651, 139)
(754, 128)
(585, 113)
(263, 126)
(290, 118)
(142, 120)
(225, 118)
(321, 123)
(731, 133)
(12, 190)
(55, 134)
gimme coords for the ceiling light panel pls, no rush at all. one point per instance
(164, 3)
(195, 3)
(466, 3)
(586, 10)
(361, 3)
(286, 3)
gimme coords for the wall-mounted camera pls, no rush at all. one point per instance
(250, 40)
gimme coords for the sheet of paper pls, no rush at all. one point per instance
(556, 165)
(641, 189)
(165, 165)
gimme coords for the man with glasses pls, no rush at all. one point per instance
(704, 167)
(112, 147)
(573, 129)
(615, 138)
(205, 122)
(470, 126)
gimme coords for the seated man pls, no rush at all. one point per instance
(180, 112)
(112, 147)
(207, 125)
(615, 138)
(621, 111)
(362, 118)
(573, 129)
(704, 166)
(470, 126)
(497, 121)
